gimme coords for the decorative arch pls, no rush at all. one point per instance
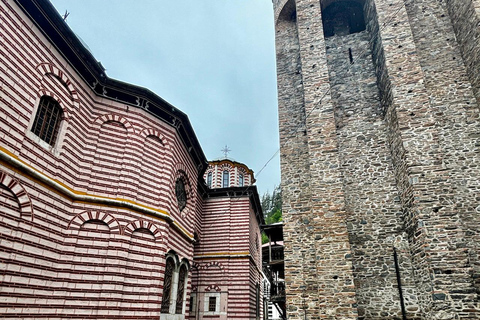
(47, 68)
(24, 201)
(152, 132)
(213, 264)
(85, 216)
(196, 266)
(172, 254)
(180, 169)
(212, 287)
(142, 224)
(115, 118)
(186, 263)
(226, 166)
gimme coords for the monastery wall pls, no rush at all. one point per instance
(229, 269)
(74, 260)
(86, 222)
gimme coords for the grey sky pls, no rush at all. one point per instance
(212, 59)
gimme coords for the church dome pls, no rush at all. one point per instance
(226, 173)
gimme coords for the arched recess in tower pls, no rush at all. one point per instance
(342, 17)
(289, 68)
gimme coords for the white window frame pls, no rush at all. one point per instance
(206, 303)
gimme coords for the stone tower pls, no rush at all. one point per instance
(379, 132)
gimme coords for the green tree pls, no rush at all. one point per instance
(272, 208)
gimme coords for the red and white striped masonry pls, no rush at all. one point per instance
(85, 224)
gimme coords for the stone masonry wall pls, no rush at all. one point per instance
(319, 276)
(299, 245)
(456, 121)
(392, 148)
(465, 18)
(371, 197)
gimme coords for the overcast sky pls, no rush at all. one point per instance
(212, 59)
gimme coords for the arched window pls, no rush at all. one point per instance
(240, 180)
(167, 285)
(209, 180)
(47, 120)
(182, 277)
(181, 194)
(226, 177)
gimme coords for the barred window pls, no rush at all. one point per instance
(182, 276)
(212, 304)
(47, 120)
(226, 177)
(167, 286)
(181, 194)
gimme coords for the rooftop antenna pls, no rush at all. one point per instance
(225, 151)
(65, 15)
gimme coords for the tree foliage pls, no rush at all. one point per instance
(272, 206)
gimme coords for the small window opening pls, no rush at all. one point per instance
(212, 304)
(240, 180)
(350, 55)
(192, 301)
(343, 18)
(47, 120)
(226, 177)
(209, 180)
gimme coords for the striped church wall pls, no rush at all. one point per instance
(104, 148)
(64, 255)
(73, 260)
(224, 260)
(85, 225)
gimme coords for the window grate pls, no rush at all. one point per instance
(167, 286)
(181, 194)
(181, 289)
(212, 304)
(47, 120)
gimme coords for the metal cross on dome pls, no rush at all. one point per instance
(226, 150)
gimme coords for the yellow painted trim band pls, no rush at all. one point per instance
(224, 255)
(82, 197)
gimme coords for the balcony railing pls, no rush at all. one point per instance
(277, 291)
(277, 255)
